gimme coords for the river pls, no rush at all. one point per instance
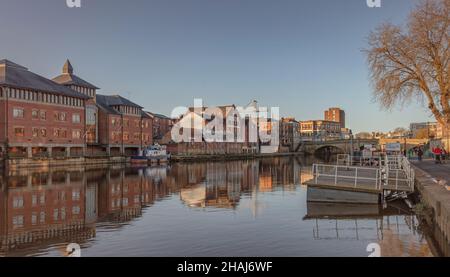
(236, 208)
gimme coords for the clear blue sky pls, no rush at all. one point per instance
(300, 55)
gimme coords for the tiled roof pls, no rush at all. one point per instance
(116, 100)
(68, 78)
(146, 115)
(14, 75)
(160, 116)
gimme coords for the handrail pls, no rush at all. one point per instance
(385, 167)
(320, 170)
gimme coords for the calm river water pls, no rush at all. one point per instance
(236, 208)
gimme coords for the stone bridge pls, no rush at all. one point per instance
(345, 146)
(342, 146)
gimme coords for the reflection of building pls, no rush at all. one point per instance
(40, 207)
(220, 188)
(277, 172)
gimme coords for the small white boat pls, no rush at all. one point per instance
(154, 153)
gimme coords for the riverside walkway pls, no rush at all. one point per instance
(437, 171)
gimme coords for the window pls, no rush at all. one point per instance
(60, 116)
(35, 132)
(43, 133)
(76, 210)
(18, 221)
(42, 217)
(76, 118)
(60, 133)
(126, 136)
(43, 115)
(75, 195)
(55, 214)
(91, 116)
(34, 218)
(76, 134)
(19, 131)
(18, 202)
(35, 114)
(18, 113)
(116, 136)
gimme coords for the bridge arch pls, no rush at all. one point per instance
(328, 150)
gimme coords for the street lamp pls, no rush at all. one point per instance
(351, 143)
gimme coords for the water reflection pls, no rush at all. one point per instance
(42, 210)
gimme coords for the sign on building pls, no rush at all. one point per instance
(393, 147)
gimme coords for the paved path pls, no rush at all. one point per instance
(437, 171)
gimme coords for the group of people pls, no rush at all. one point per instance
(418, 151)
(439, 153)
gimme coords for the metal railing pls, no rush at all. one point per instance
(355, 176)
(346, 159)
(398, 171)
(380, 172)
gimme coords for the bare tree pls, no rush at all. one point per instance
(412, 62)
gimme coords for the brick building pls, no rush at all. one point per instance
(336, 115)
(289, 133)
(320, 129)
(161, 125)
(124, 128)
(65, 117)
(39, 117)
(68, 79)
(226, 141)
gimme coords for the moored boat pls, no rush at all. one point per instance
(152, 154)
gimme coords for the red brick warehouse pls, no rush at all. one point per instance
(65, 117)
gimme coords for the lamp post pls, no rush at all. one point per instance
(351, 143)
(446, 129)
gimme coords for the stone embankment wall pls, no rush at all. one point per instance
(436, 197)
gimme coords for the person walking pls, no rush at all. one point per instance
(420, 154)
(437, 154)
